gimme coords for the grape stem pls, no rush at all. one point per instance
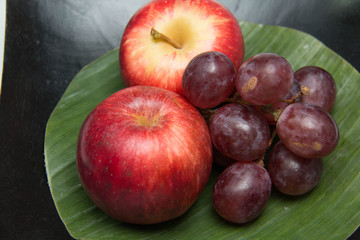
(261, 159)
(273, 134)
(156, 35)
(237, 100)
(267, 108)
(303, 91)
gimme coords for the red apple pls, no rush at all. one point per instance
(193, 27)
(144, 155)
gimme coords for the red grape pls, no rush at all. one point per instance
(241, 192)
(291, 174)
(264, 78)
(321, 85)
(239, 132)
(264, 91)
(208, 79)
(307, 130)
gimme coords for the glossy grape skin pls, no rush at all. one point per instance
(208, 79)
(321, 85)
(264, 78)
(292, 174)
(239, 132)
(241, 192)
(307, 130)
(267, 111)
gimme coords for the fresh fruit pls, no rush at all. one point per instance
(321, 85)
(144, 155)
(307, 130)
(208, 79)
(241, 192)
(264, 79)
(180, 30)
(267, 94)
(239, 132)
(291, 174)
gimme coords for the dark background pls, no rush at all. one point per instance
(49, 41)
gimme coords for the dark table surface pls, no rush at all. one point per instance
(48, 42)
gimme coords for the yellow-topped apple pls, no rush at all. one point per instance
(164, 35)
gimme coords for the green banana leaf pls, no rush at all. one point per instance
(330, 211)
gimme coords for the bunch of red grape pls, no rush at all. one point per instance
(245, 110)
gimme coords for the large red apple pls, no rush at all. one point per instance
(193, 27)
(144, 155)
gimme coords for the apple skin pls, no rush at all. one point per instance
(144, 155)
(199, 26)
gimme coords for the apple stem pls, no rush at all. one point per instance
(159, 36)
